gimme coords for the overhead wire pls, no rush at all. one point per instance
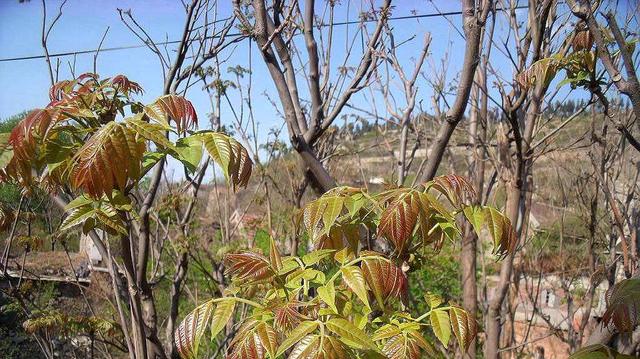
(172, 42)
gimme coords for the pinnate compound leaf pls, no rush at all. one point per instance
(173, 108)
(108, 160)
(354, 279)
(464, 326)
(296, 335)
(322, 214)
(23, 142)
(189, 332)
(123, 84)
(248, 266)
(623, 305)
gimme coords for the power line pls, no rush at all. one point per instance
(343, 23)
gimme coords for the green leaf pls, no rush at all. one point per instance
(6, 153)
(433, 300)
(189, 152)
(229, 155)
(475, 216)
(385, 332)
(222, 314)
(150, 159)
(111, 222)
(331, 212)
(153, 132)
(327, 294)
(350, 334)
(441, 325)
(77, 216)
(314, 257)
(354, 279)
(296, 334)
(78, 202)
(504, 237)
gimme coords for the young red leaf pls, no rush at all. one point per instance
(398, 220)
(249, 266)
(457, 189)
(384, 278)
(108, 160)
(173, 108)
(189, 332)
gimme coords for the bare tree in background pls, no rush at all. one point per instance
(274, 30)
(474, 17)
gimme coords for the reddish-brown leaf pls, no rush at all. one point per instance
(398, 220)
(173, 108)
(108, 160)
(189, 332)
(457, 189)
(24, 140)
(287, 316)
(464, 326)
(384, 278)
(247, 343)
(123, 84)
(318, 347)
(249, 266)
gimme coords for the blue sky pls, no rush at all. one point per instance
(83, 23)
